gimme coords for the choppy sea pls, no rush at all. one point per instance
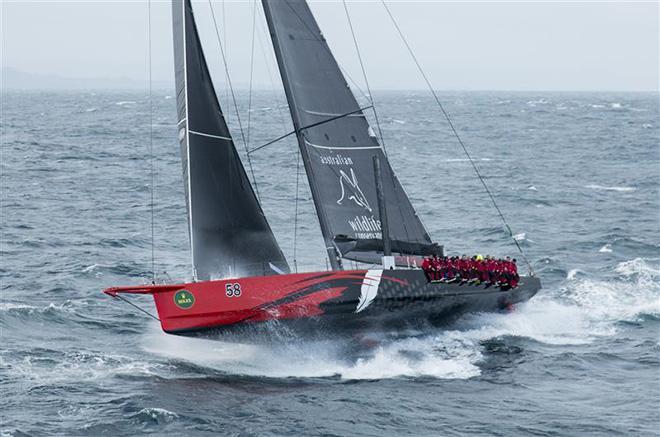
(576, 174)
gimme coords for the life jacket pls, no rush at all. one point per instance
(435, 263)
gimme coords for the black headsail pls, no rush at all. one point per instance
(229, 234)
(337, 144)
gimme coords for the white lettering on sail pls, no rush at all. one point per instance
(337, 159)
(357, 195)
(365, 227)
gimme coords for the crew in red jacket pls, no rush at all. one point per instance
(426, 267)
(435, 267)
(514, 274)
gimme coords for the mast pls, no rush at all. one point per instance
(382, 208)
(229, 233)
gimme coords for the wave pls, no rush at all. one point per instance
(573, 273)
(51, 367)
(612, 188)
(69, 306)
(467, 160)
(125, 102)
(634, 292)
(606, 248)
(155, 415)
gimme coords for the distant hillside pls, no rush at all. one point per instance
(13, 79)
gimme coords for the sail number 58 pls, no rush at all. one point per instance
(233, 290)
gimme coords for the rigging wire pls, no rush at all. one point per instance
(364, 75)
(460, 141)
(300, 130)
(224, 41)
(295, 216)
(151, 148)
(249, 113)
(277, 93)
(233, 97)
(120, 297)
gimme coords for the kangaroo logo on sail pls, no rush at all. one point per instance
(357, 196)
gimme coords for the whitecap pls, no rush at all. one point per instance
(610, 188)
(532, 188)
(125, 102)
(8, 306)
(158, 414)
(541, 101)
(637, 291)
(75, 366)
(615, 105)
(467, 160)
(573, 273)
(606, 248)
(638, 266)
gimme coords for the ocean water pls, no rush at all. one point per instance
(576, 174)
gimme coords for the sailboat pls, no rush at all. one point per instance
(240, 276)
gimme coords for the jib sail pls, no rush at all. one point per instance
(337, 144)
(229, 234)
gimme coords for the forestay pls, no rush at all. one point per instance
(337, 144)
(229, 234)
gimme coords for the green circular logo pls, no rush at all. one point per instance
(184, 299)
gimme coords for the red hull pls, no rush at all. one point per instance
(260, 298)
(200, 306)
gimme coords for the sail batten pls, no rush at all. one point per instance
(229, 234)
(337, 152)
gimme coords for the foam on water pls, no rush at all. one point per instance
(68, 306)
(156, 415)
(606, 188)
(634, 292)
(75, 366)
(442, 355)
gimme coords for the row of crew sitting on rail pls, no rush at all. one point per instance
(488, 270)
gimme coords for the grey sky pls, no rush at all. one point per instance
(492, 45)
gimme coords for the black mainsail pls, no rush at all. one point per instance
(338, 145)
(229, 234)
